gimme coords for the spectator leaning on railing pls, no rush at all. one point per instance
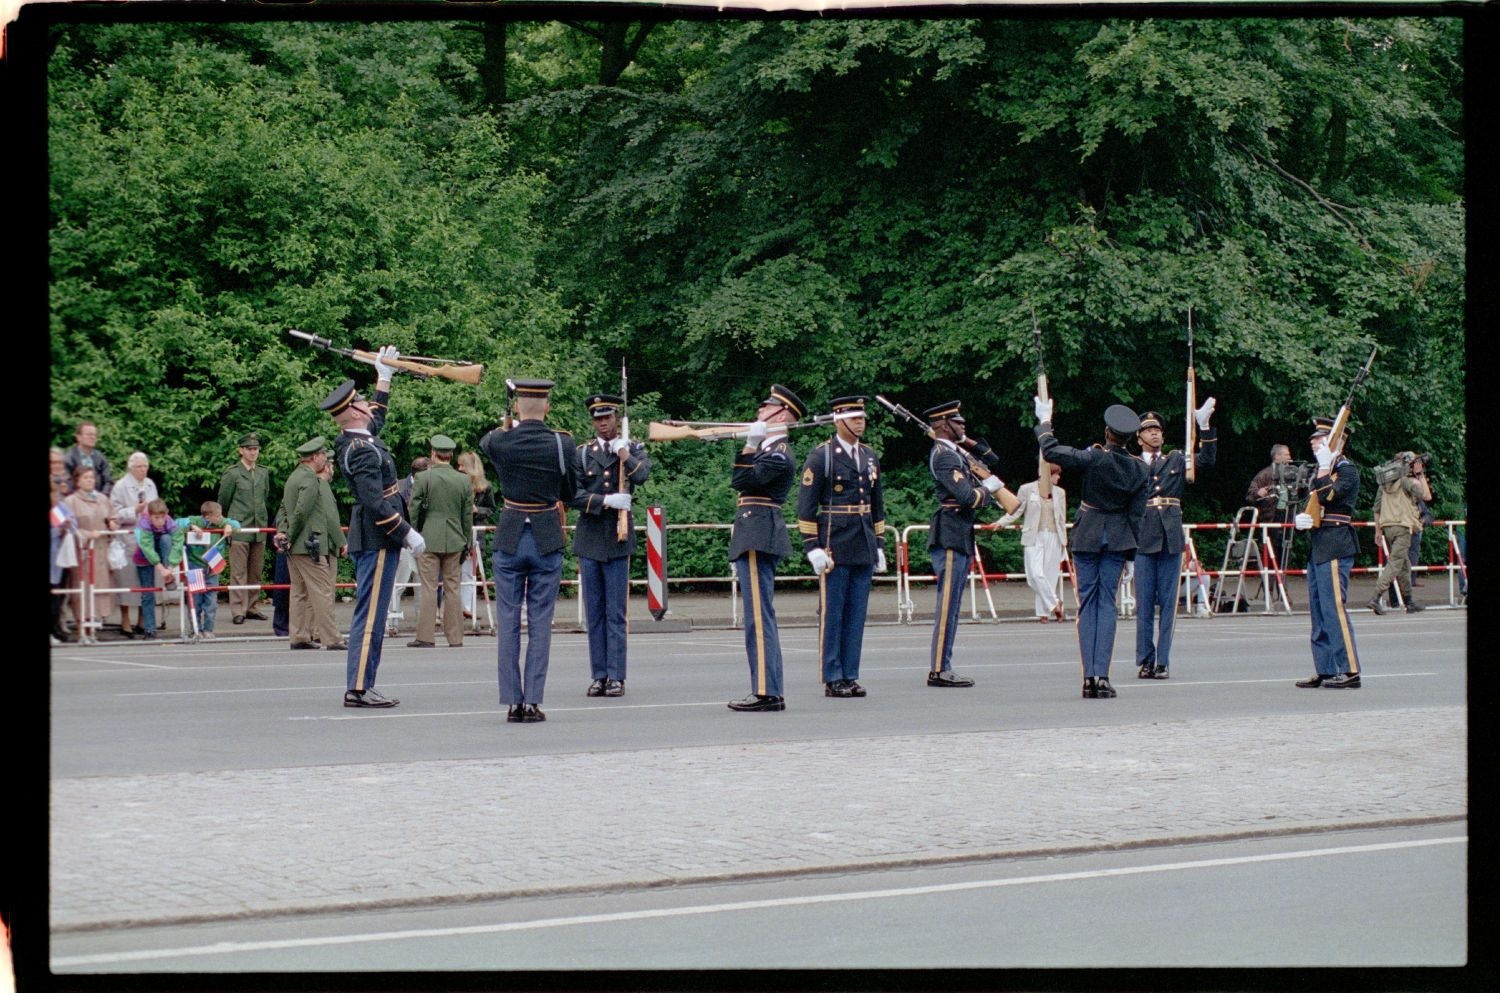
(129, 498)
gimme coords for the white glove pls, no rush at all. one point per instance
(1324, 455)
(757, 434)
(1043, 409)
(820, 561)
(992, 484)
(880, 560)
(617, 501)
(387, 353)
(620, 447)
(1204, 412)
(415, 541)
(1304, 522)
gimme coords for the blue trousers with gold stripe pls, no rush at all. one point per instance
(844, 599)
(1332, 634)
(606, 588)
(951, 568)
(757, 576)
(374, 579)
(1098, 579)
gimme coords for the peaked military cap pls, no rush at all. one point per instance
(942, 410)
(780, 394)
(1121, 420)
(249, 440)
(541, 388)
(342, 396)
(1323, 427)
(312, 446)
(443, 443)
(604, 404)
(1151, 419)
(849, 405)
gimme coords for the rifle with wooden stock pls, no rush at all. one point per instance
(1008, 500)
(1043, 468)
(1191, 435)
(458, 370)
(1335, 440)
(717, 430)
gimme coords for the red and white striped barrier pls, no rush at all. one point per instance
(656, 562)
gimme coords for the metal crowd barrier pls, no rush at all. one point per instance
(1455, 569)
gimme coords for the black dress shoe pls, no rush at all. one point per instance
(948, 678)
(753, 702)
(1147, 671)
(369, 698)
(1377, 605)
(855, 689)
(1160, 672)
(1313, 681)
(839, 687)
(1343, 681)
(238, 618)
(513, 714)
(419, 643)
(1412, 608)
(255, 615)
(614, 687)
(1104, 689)
(338, 646)
(532, 714)
(297, 646)
(1090, 688)
(596, 688)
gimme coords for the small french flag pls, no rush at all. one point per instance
(195, 581)
(59, 516)
(214, 559)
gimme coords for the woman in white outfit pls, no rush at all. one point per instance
(129, 497)
(1044, 535)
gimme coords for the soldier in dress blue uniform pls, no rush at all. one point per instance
(535, 466)
(1105, 530)
(841, 518)
(1158, 558)
(763, 474)
(377, 526)
(609, 468)
(1330, 558)
(961, 492)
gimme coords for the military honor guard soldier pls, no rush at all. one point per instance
(1158, 557)
(314, 541)
(841, 519)
(442, 508)
(1105, 529)
(377, 526)
(537, 480)
(609, 467)
(763, 475)
(950, 538)
(1330, 559)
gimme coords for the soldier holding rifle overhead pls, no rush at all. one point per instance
(1105, 529)
(608, 468)
(963, 477)
(1333, 547)
(377, 525)
(841, 518)
(763, 474)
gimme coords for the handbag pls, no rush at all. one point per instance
(67, 553)
(118, 557)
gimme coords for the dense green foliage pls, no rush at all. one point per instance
(844, 205)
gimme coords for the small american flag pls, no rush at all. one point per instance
(195, 581)
(214, 559)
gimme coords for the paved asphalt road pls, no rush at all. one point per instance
(225, 782)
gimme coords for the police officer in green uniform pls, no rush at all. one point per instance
(314, 541)
(245, 495)
(962, 490)
(763, 475)
(609, 468)
(841, 518)
(377, 525)
(442, 508)
(537, 480)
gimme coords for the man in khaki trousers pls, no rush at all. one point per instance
(442, 509)
(314, 541)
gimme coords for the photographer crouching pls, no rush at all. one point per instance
(1402, 488)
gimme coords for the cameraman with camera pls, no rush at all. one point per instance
(1277, 492)
(1402, 491)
